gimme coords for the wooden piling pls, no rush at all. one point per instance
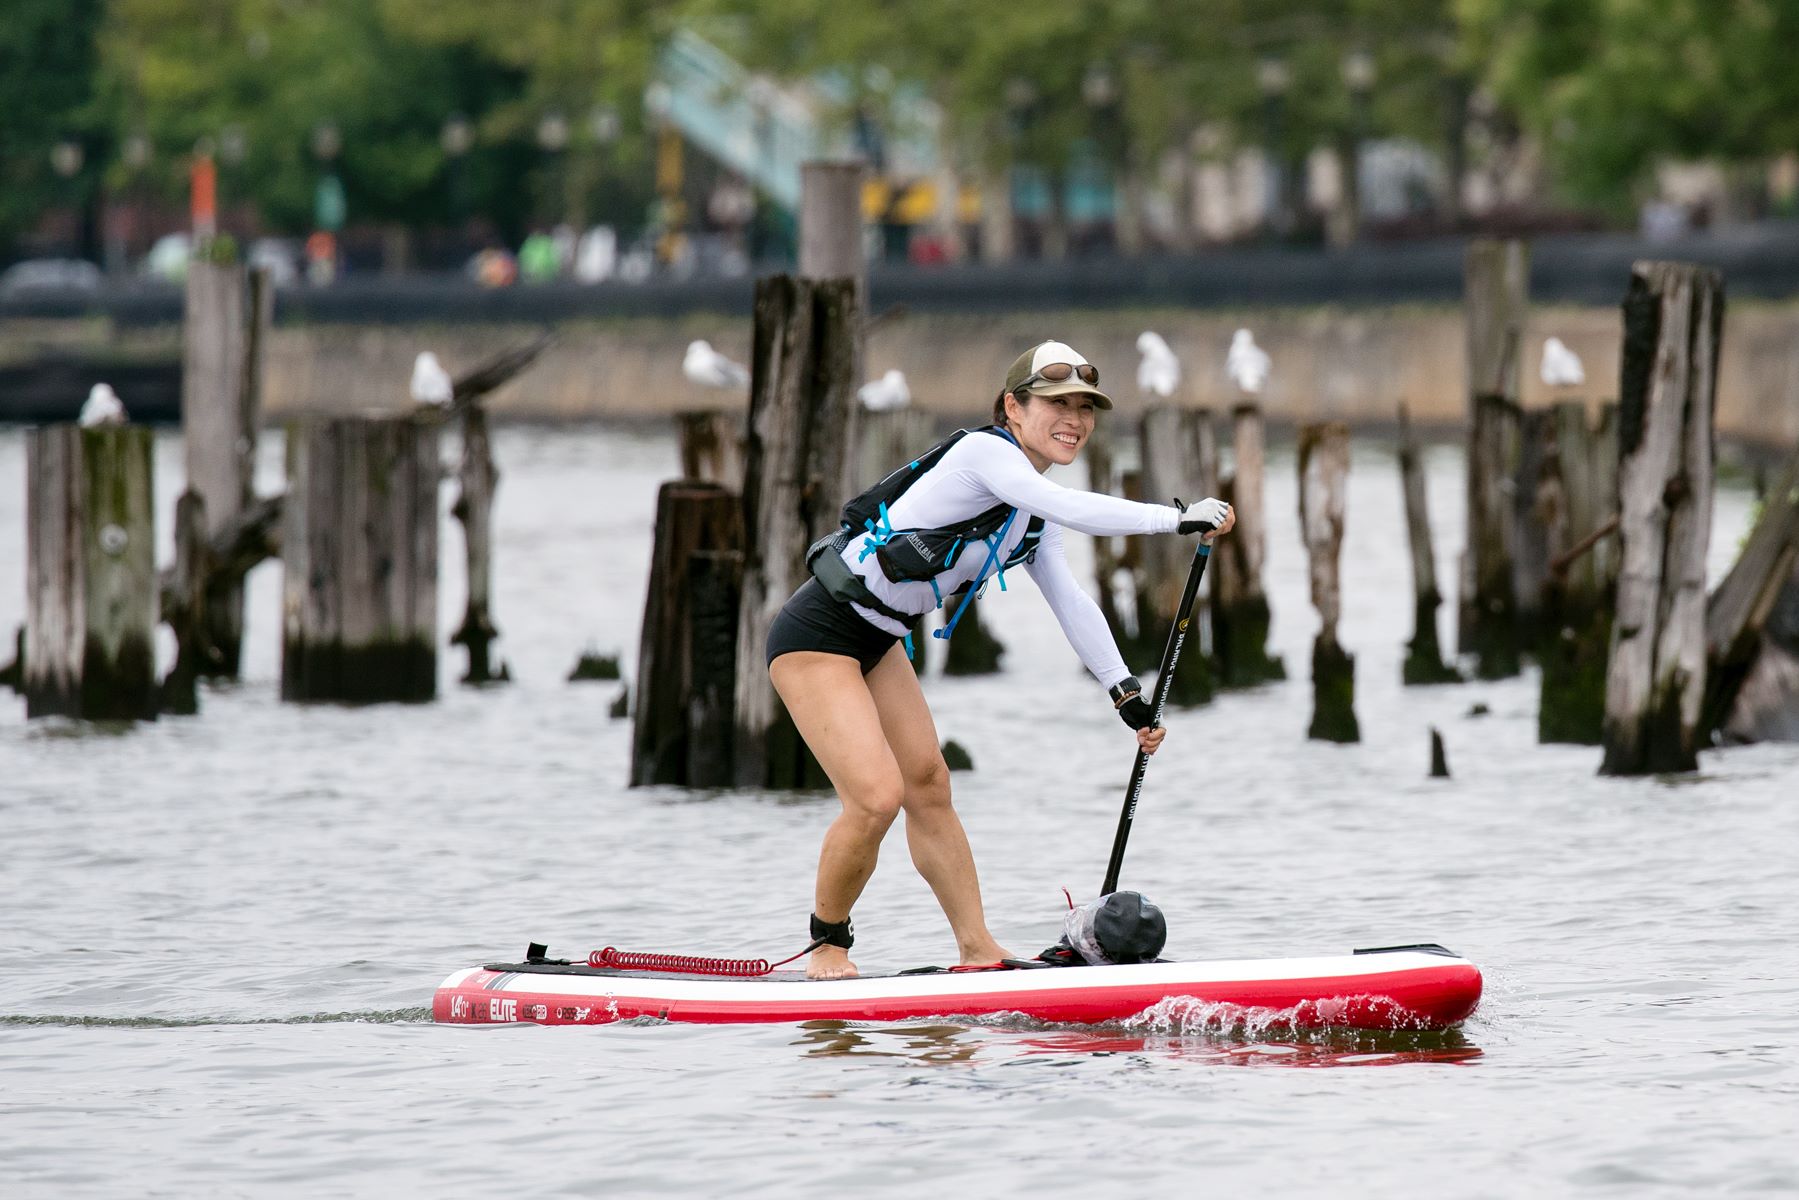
(971, 649)
(1537, 529)
(90, 574)
(359, 550)
(1655, 681)
(715, 580)
(1240, 615)
(12, 675)
(687, 666)
(1323, 484)
(797, 458)
(887, 441)
(224, 339)
(711, 447)
(1439, 758)
(831, 224)
(1577, 594)
(1177, 443)
(1102, 477)
(1750, 691)
(187, 615)
(477, 478)
(1495, 296)
(1424, 655)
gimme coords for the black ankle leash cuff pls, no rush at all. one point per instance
(833, 933)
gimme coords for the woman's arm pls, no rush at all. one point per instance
(1002, 469)
(1082, 623)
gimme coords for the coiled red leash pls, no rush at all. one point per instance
(690, 964)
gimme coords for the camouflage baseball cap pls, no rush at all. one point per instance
(1045, 354)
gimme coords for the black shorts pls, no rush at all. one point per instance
(812, 620)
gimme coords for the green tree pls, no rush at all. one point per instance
(48, 95)
(1613, 86)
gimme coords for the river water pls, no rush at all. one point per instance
(221, 934)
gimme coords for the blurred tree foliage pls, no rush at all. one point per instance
(552, 90)
(50, 93)
(1613, 85)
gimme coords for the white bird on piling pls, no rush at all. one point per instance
(431, 384)
(1561, 366)
(1247, 363)
(708, 368)
(886, 393)
(1160, 371)
(103, 407)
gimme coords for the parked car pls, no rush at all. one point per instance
(50, 275)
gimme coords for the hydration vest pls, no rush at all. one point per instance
(918, 555)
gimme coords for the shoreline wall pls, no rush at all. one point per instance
(1350, 364)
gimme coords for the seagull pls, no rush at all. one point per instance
(886, 393)
(1561, 366)
(1160, 371)
(708, 367)
(103, 407)
(430, 382)
(1247, 363)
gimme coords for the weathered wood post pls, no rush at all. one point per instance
(1323, 482)
(224, 339)
(711, 447)
(1102, 476)
(187, 616)
(796, 478)
(1240, 615)
(1495, 290)
(1673, 323)
(715, 579)
(1580, 498)
(477, 478)
(1536, 521)
(831, 226)
(90, 574)
(1423, 654)
(1180, 455)
(799, 448)
(1752, 671)
(359, 560)
(888, 441)
(686, 664)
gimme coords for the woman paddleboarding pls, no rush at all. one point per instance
(931, 535)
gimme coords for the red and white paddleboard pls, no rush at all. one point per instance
(1411, 987)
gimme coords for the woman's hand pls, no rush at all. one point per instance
(1208, 518)
(1149, 739)
(1230, 521)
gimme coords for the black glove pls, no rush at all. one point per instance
(1205, 515)
(1133, 709)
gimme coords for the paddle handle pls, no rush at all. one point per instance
(1171, 655)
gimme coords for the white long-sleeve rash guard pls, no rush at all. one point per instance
(976, 473)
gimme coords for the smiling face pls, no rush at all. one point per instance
(1050, 429)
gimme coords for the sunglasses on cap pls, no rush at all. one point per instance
(1057, 372)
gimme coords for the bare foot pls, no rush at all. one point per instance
(830, 962)
(982, 956)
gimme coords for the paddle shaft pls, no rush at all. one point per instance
(1171, 655)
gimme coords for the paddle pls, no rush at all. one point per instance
(1183, 616)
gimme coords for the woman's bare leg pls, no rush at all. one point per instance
(934, 832)
(833, 709)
